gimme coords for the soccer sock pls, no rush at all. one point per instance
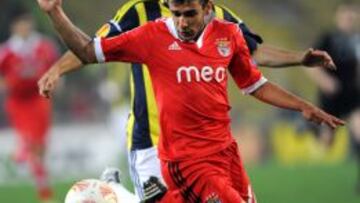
(39, 173)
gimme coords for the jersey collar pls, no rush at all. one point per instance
(23, 46)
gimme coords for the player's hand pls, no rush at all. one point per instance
(47, 83)
(316, 58)
(318, 116)
(48, 5)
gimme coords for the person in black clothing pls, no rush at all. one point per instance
(339, 92)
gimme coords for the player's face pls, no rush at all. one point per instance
(189, 18)
(346, 18)
(22, 28)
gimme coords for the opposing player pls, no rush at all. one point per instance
(199, 157)
(143, 125)
(23, 59)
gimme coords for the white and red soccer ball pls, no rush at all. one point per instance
(91, 191)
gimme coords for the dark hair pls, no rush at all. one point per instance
(24, 17)
(21, 14)
(202, 2)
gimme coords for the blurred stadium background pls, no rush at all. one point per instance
(284, 160)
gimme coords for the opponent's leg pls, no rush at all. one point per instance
(154, 190)
(143, 164)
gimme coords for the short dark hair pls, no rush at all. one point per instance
(21, 13)
(202, 2)
(26, 16)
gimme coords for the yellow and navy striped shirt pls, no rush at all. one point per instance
(143, 124)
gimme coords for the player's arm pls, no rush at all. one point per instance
(251, 81)
(276, 96)
(122, 22)
(128, 47)
(275, 57)
(77, 41)
(67, 63)
(80, 43)
(326, 82)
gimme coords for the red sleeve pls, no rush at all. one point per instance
(242, 67)
(132, 46)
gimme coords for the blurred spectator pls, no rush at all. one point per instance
(24, 57)
(9, 8)
(339, 93)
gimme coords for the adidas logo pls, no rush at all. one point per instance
(174, 47)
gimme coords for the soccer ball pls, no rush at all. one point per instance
(91, 191)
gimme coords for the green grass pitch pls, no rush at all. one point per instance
(272, 184)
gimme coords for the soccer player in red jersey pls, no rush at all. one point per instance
(23, 59)
(143, 124)
(188, 57)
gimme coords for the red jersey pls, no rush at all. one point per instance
(23, 62)
(190, 81)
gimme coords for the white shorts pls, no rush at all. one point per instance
(142, 165)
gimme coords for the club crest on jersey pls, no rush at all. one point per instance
(223, 47)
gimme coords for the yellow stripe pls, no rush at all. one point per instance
(140, 8)
(152, 107)
(165, 12)
(231, 13)
(131, 121)
(219, 12)
(124, 9)
(103, 31)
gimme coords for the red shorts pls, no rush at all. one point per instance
(30, 118)
(220, 177)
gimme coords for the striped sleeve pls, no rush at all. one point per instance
(252, 39)
(126, 18)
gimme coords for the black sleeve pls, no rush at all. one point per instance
(126, 19)
(323, 42)
(252, 39)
